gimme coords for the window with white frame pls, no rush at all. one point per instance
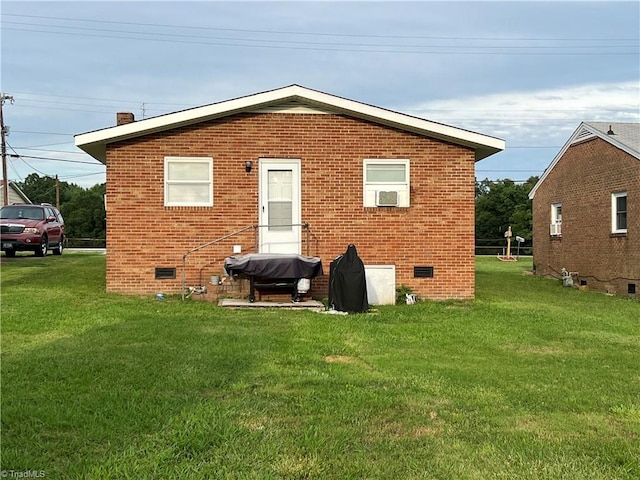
(619, 212)
(386, 182)
(556, 219)
(188, 181)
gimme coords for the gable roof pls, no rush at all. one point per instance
(16, 190)
(625, 136)
(288, 98)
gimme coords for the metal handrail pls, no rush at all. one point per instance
(255, 228)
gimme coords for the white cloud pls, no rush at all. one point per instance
(531, 117)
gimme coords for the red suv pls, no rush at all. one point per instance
(36, 228)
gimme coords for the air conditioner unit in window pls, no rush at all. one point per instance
(386, 199)
(556, 229)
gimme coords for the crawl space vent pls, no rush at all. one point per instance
(423, 272)
(163, 273)
(631, 288)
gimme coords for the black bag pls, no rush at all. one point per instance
(348, 283)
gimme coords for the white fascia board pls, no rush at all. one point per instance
(555, 160)
(483, 145)
(95, 142)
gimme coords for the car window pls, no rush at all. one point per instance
(20, 212)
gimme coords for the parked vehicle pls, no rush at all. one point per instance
(26, 227)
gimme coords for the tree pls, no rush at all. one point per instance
(84, 213)
(82, 209)
(502, 203)
(43, 189)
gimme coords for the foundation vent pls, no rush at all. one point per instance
(165, 273)
(423, 272)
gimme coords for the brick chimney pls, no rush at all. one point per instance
(124, 117)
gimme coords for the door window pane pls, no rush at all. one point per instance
(280, 216)
(280, 200)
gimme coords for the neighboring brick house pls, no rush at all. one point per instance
(283, 157)
(14, 194)
(586, 209)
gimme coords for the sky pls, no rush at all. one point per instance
(525, 72)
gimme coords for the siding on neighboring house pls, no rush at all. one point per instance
(583, 180)
(15, 195)
(436, 230)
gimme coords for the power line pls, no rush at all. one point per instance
(53, 151)
(357, 50)
(43, 133)
(282, 32)
(82, 175)
(34, 168)
(57, 160)
(99, 99)
(17, 155)
(35, 147)
(331, 44)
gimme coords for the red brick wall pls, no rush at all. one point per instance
(583, 181)
(437, 230)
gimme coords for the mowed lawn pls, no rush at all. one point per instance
(529, 381)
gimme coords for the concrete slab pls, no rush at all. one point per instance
(242, 303)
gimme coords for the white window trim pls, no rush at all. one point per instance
(208, 181)
(614, 212)
(370, 188)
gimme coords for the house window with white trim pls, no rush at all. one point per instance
(555, 228)
(619, 212)
(188, 181)
(386, 182)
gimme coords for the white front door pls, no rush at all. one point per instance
(280, 230)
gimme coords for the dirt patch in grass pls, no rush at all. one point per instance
(398, 431)
(534, 349)
(345, 359)
(340, 359)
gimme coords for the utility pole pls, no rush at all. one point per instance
(3, 131)
(57, 193)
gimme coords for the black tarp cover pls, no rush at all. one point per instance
(274, 265)
(348, 283)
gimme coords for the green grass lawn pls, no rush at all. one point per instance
(529, 381)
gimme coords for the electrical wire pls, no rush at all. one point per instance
(58, 160)
(308, 43)
(281, 32)
(17, 155)
(391, 50)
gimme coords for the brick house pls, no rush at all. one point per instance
(586, 209)
(319, 170)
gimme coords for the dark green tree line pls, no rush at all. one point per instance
(500, 203)
(82, 209)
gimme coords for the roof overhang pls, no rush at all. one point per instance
(95, 143)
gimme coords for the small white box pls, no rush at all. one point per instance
(237, 249)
